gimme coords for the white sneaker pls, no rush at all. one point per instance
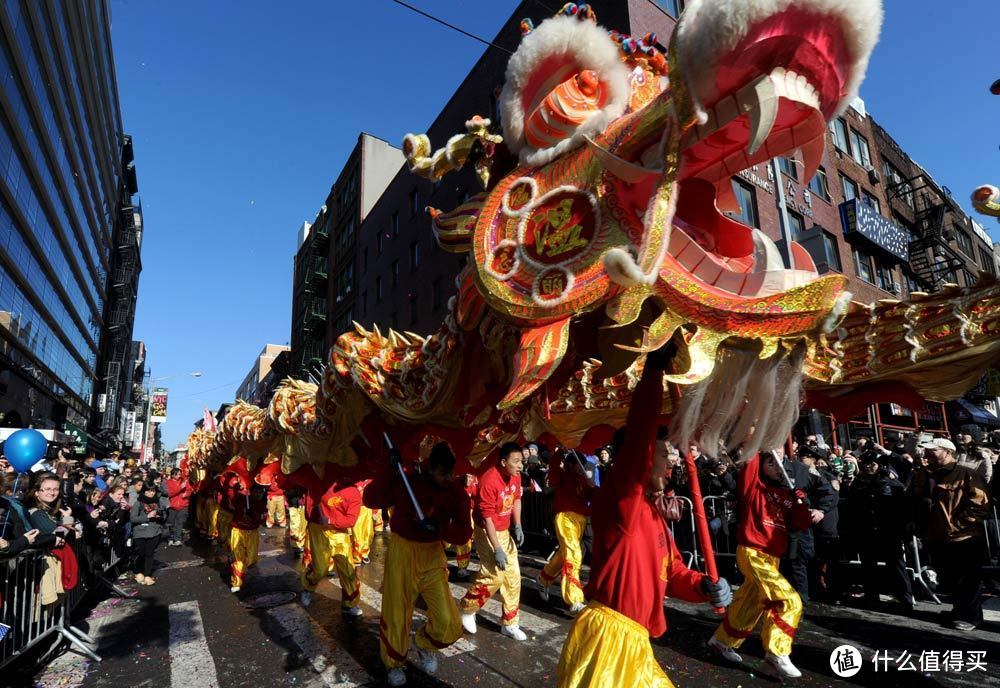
(576, 608)
(543, 589)
(469, 623)
(351, 611)
(513, 632)
(427, 661)
(783, 665)
(306, 598)
(462, 574)
(726, 652)
(396, 677)
(235, 588)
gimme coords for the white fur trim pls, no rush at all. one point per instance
(530, 208)
(622, 268)
(837, 313)
(591, 47)
(710, 28)
(570, 279)
(532, 184)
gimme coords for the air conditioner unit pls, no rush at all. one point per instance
(873, 176)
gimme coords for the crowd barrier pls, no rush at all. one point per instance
(22, 605)
(720, 512)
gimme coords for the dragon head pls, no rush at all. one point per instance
(625, 158)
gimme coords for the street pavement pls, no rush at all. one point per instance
(189, 631)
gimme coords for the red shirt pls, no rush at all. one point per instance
(248, 513)
(572, 491)
(179, 492)
(767, 511)
(634, 561)
(273, 490)
(447, 506)
(495, 498)
(329, 502)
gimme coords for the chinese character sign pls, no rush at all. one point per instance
(158, 405)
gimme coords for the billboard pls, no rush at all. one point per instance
(139, 437)
(158, 405)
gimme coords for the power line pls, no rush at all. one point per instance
(452, 26)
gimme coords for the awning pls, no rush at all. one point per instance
(51, 436)
(967, 411)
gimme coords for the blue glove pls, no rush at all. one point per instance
(501, 558)
(518, 533)
(719, 594)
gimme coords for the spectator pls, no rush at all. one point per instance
(16, 533)
(179, 492)
(822, 500)
(135, 489)
(146, 517)
(115, 503)
(45, 508)
(977, 459)
(955, 531)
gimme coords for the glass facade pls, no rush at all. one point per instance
(60, 176)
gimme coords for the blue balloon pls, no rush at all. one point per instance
(24, 449)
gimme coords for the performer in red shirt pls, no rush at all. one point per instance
(571, 505)
(768, 509)
(275, 506)
(464, 550)
(249, 509)
(497, 504)
(634, 562)
(332, 505)
(415, 563)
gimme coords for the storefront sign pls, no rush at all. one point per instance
(80, 438)
(751, 176)
(858, 218)
(158, 405)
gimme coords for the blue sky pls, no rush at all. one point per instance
(243, 113)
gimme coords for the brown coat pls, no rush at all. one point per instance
(960, 505)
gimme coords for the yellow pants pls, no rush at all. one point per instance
(225, 521)
(605, 649)
(244, 545)
(463, 551)
(326, 545)
(377, 520)
(212, 518)
(297, 527)
(200, 517)
(416, 569)
(276, 511)
(490, 579)
(764, 592)
(568, 558)
(361, 535)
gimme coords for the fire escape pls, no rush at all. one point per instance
(120, 309)
(933, 261)
(315, 289)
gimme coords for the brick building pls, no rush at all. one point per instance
(253, 389)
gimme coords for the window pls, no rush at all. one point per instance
(796, 225)
(912, 284)
(863, 266)
(871, 201)
(413, 309)
(949, 276)
(970, 279)
(896, 186)
(747, 200)
(378, 243)
(671, 7)
(436, 294)
(820, 185)
(414, 255)
(831, 252)
(885, 278)
(395, 273)
(395, 221)
(859, 150)
(788, 166)
(414, 202)
(839, 130)
(964, 242)
(986, 260)
(378, 290)
(848, 187)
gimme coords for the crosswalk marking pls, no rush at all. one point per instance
(190, 563)
(191, 663)
(335, 666)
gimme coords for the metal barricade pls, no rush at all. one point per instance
(721, 524)
(685, 537)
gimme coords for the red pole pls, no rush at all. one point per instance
(701, 523)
